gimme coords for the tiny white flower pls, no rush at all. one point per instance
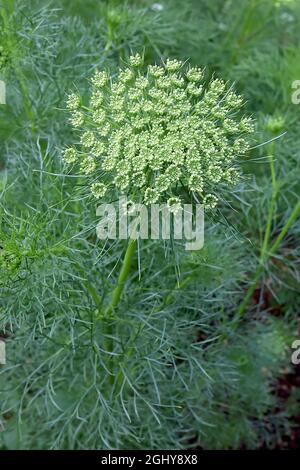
(98, 190)
(70, 155)
(88, 165)
(174, 204)
(88, 139)
(99, 79)
(210, 201)
(135, 60)
(73, 102)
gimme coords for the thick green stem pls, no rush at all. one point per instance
(125, 270)
(115, 299)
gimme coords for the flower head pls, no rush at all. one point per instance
(158, 132)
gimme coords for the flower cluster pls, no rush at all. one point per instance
(158, 133)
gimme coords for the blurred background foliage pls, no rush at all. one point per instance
(211, 368)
